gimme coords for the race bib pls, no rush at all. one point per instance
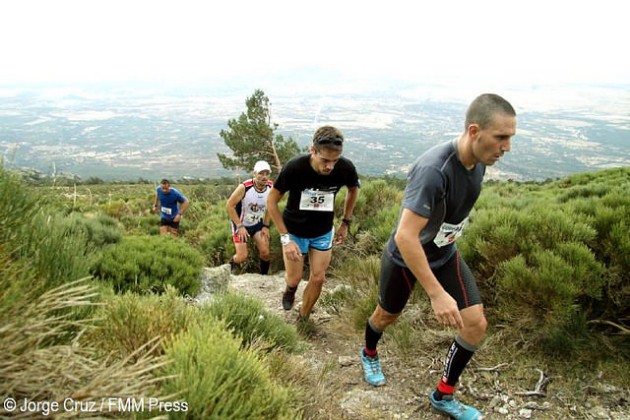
(449, 233)
(253, 217)
(166, 210)
(315, 200)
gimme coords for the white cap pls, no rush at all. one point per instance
(261, 165)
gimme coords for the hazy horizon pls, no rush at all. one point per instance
(124, 132)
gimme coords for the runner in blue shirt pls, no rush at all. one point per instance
(172, 206)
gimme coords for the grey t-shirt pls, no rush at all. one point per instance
(441, 189)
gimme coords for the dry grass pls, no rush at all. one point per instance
(43, 359)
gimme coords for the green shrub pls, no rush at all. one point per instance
(496, 235)
(44, 353)
(617, 251)
(538, 287)
(564, 341)
(544, 292)
(363, 308)
(402, 335)
(545, 254)
(219, 379)
(602, 200)
(99, 230)
(57, 253)
(248, 319)
(148, 263)
(374, 196)
(336, 299)
(362, 275)
(128, 321)
(213, 236)
(142, 225)
(217, 246)
(17, 208)
(381, 224)
(375, 215)
(17, 281)
(55, 246)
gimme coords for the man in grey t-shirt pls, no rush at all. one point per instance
(442, 187)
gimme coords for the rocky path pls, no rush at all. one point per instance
(333, 354)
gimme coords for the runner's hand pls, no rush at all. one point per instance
(265, 234)
(342, 233)
(292, 251)
(242, 234)
(446, 311)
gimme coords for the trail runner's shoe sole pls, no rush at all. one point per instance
(454, 409)
(372, 370)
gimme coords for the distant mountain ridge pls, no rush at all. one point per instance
(123, 135)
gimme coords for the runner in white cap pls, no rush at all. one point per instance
(247, 208)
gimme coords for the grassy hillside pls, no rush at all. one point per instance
(89, 308)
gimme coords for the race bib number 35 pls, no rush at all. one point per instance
(314, 200)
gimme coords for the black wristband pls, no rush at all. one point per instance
(265, 225)
(346, 221)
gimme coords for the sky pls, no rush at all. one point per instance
(482, 44)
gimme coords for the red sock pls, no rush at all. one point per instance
(371, 353)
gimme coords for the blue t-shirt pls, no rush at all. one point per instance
(441, 189)
(168, 202)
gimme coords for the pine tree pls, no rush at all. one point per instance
(252, 137)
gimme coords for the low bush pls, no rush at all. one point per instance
(248, 319)
(55, 251)
(213, 236)
(552, 259)
(17, 208)
(128, 321)
(362, 275)
(219, 379)
(337, 298)
(144, 264)
(142, 225)
(32, 235)
(374, 196)
(99, 230)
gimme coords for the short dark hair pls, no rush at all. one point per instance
(165, 181)
(328, 137)
(484, 107)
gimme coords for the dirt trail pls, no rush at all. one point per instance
(333, 353)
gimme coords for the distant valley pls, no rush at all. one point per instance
(130, 135)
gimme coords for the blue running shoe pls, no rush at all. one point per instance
(372, 370)
(454, 409)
